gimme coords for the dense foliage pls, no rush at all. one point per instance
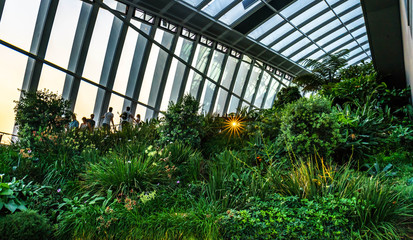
(41, 110)
(182, 122)
(309, 126)
(337, 165)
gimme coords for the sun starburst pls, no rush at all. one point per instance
(234, 125)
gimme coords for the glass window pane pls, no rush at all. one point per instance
(356, 59)
(271, 93)
(304, 52)
(215, 67)
(352, 14)
(309, 13)
(125, 62)
(338, 42)
(236, 12)
(317, 22)
(194, 81)
(262, 89)
(277, 33)
(193, 3)
(241, 77)
(229, 72)
(324, 29)
(252, 83)
(216, 6)
(267, 25)
(331, 36)
(154, 73)
(220, 103)
(63, 32)
(294, 7)
(233, 104)
(176, 72)
(345, 5)
(201, 57)
(18, 21)
(206, 97)
(116, 102)
(52, 79)
(316, 55)
(296, 46)
(85, 101)
(287, 40)
(355, 24)
(12, 68)
(97, 49)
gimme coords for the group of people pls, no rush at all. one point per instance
(126, 117)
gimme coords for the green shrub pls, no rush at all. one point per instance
(182, 122)
(287, 95)
(24, 226)
(290, 218)
(310, 125)
(51, 106)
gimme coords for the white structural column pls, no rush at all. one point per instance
(40, 40)
(110, 65)
(257, 87)
(81, 42)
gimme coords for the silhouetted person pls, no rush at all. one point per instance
(91, 122)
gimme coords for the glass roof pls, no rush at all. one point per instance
(302, 29)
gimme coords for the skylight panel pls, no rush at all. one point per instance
(287, 40)
(316, 22)
(356, 12)
(296, 46)
(277, 33)
(237, 12)
(267, 25)
(346, 5)
(331, 2)
(295, 7)
(358, 32)
(355, 52)
(356, 59)
(355, 24)
(350, 45)
(304, 52)
(363, 39)
(338, 42)
(330, 37)
(309, 13)
(193, 3)
(216, 6)
(316, 55)
(324, 29)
